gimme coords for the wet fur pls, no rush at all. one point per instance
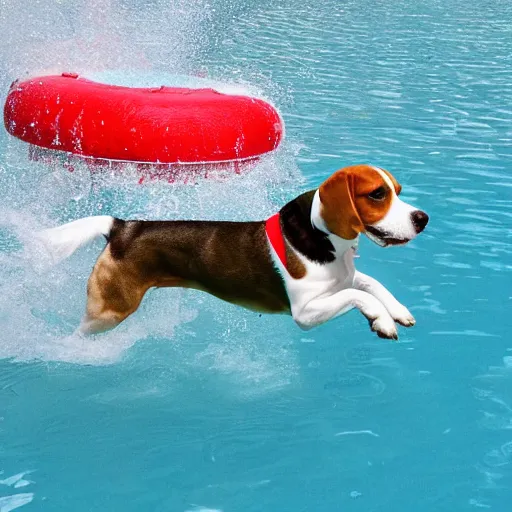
(229, 260)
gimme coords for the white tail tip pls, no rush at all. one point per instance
(62, 241)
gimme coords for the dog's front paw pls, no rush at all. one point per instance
(385, 327)
(403, 316)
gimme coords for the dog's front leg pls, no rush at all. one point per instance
(398, 311)
(321, 309)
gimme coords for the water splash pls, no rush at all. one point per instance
(41, 305)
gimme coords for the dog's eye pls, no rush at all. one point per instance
(378, 194)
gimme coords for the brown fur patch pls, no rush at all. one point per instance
(229, 260)
(346, 205)
(115, 289)
(294, 266)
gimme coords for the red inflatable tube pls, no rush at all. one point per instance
(161, 125)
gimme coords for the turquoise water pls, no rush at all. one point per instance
(197, 405)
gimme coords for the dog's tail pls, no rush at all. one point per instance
(62, 241)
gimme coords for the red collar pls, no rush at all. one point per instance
(275, 236)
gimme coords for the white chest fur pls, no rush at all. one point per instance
(320, 280)
(330, 290)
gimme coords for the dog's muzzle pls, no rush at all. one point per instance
(419, 220)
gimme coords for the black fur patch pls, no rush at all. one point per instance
(300, 233)
(117, 239)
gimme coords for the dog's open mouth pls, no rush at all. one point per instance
(382, 238)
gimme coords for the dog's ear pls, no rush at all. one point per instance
(338, 206)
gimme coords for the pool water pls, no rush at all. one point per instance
(197, 405)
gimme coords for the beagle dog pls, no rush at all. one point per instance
(300, 261)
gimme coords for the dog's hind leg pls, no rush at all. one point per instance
(100, 323)
(113, 294)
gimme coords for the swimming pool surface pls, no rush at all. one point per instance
(196, 405)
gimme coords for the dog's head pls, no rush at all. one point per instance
(364, 199)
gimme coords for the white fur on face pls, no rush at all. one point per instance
(396, 226)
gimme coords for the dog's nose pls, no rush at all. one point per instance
(419, 220)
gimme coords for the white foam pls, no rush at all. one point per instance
(41, 306)
(100, 35)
